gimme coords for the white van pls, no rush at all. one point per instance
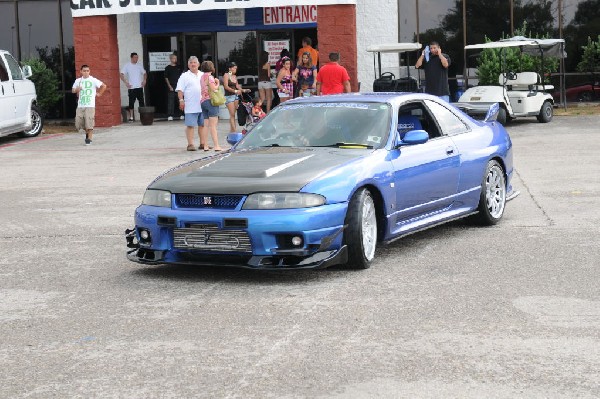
(18, 109)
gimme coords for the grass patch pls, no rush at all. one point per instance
(578, 109)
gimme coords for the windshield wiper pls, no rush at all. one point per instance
(349, 145)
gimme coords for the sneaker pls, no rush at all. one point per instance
(130, 119)
(181, 117)
(88, 141)
(170, 118)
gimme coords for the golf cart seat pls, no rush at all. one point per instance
(525, 81)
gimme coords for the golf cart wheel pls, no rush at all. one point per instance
(37, 123)
(502, 117)
(546, 113)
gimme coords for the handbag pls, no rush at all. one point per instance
(216, 98)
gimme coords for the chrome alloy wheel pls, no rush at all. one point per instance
(495, 191)
(369, 228)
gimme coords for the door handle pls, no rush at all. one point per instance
(449, 150)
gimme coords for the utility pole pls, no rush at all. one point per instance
(512, 18)
(17, 29)
(418, 30)
(464, 21)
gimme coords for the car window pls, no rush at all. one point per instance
(449, 123)
(15, 69)
(415, 116)
(3, 71)
(319, 124)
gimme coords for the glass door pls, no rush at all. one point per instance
(158, 49)
(202, 45)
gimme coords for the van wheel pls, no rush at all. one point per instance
(37, 123)
(546, 113)
(361, 234)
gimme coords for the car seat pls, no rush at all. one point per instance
(407, 123)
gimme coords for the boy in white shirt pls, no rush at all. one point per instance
(87, 89)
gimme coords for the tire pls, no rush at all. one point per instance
(37, 123)
(546, 112)
(502, 117)
(492, 200)
(361, 234)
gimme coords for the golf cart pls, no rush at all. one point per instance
(386, 81)
(519, 94)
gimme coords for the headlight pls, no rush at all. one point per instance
(283, 201)
(157, 198)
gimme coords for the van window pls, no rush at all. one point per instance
(3, 71)
(13, 66)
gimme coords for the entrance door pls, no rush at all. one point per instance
(201, 45)
(158, 49)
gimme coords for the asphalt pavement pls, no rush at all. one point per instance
(510, 311)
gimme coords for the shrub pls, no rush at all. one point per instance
(46, 84)
(590, 60)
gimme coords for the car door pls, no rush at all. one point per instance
(20, 91)
(425, 175)
(7, 114)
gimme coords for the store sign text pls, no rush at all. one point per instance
(287, 11)
(289, 15)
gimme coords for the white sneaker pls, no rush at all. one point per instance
(170, 118)
(182, 117)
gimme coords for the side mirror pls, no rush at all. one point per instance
(234, 138)
(27, 71)
(492, 113)
(413, 137)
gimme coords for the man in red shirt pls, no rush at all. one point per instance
(332, 77)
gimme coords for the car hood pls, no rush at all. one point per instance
(265, 169)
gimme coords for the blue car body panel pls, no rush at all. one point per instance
(414, 186)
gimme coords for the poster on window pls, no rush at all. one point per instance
(159, 60)
(283, 11)
(274, 47)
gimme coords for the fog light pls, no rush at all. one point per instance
(296, 241)
(144, 234)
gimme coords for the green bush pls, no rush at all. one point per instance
(489, 63)
(590, 59)
(46, 84)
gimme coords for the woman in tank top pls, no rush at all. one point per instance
(232, 90)
(285, 86)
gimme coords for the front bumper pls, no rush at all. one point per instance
(249, 239)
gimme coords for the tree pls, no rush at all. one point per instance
(585, 24)
(491, 62)
(46, 84)
(590, 60)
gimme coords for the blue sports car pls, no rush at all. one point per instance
(323, 180)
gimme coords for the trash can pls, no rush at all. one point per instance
(146, 115)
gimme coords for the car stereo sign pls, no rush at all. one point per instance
(85, 8)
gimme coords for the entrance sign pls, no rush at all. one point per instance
(289, 15)
(159, 60)
(274, 47)
(86, 8)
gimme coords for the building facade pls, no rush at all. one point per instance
(226, 34)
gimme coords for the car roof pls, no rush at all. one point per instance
(379, 97)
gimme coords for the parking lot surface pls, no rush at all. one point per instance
(510, 311)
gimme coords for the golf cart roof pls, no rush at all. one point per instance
(394, 47)
(549, 47)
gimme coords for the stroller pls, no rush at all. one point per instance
(244, 113)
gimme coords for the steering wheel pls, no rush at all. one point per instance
(511, 75)
(290, 139)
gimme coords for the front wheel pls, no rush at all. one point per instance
(502, 117)
(492, 199)
(361, 234)
(37, 123)
(546, 112)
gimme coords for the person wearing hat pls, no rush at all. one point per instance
(232, 90)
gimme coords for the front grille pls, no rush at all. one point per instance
(207, 201)
(209, 238)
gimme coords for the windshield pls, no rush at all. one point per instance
(335, 124)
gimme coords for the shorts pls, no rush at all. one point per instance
(194, 119)
(231, 98)
(85, 118)
(265, 85)
(209, 110)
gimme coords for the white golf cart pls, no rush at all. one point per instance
(519, 94)
(387, 81)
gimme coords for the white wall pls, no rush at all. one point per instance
(130, 41)
(376, 23)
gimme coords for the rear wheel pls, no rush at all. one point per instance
(502, 117)
(546, 113)
(493, 195)
(37, 123)
(361, 234)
